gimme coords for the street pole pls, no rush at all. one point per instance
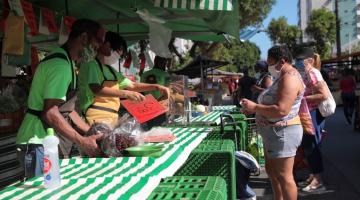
(338, 42)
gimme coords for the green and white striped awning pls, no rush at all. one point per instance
(113, 178)
(225, 5)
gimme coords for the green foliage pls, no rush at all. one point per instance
(245, 54)
(253, 11)
(280, 32)
(322, 28)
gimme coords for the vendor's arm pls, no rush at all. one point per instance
(55, 89)
(287, 94)
(79, 122)
(54, 119)
(110, 92)
(145, 87)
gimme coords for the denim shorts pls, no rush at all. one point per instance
(281, 142)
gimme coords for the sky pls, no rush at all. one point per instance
(287, 8)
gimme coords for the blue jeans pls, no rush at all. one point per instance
(31, 158)
(311, 143)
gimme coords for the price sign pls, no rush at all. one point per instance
(145, 110)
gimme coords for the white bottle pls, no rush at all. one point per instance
(51, 160)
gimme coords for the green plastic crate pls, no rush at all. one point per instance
(214, 183)
(185, 195)
(229, 134)
(213, 158)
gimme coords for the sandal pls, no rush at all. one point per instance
(314, 188)
(305, 183)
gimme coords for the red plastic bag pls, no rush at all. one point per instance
(305, 118)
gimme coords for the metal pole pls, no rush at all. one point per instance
(118, 25)
(202, 76)
(338, 41)
(66, 7)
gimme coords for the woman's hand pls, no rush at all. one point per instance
(165, 92)
(246, 112)
(248, 106)
(134, 96)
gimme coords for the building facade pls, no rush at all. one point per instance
(305, 7)
(349, 15)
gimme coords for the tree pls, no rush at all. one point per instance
(250, 13)
(280, 32)
(253, 11)
(322, 28)
(243, 53)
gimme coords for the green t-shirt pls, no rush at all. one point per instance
(90, 73)
(51, 81)
(155, 76)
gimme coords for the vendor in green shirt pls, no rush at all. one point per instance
(51, 98)
(157, 75)
(101, 87)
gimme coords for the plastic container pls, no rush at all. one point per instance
(144, 150)
(51, 161)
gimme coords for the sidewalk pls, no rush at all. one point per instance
(341, 149)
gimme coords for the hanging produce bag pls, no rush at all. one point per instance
(305, 118)
(14, 35)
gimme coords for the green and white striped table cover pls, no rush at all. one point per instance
(113, 178)
(224, 108)
(212, 117)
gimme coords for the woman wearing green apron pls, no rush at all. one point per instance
(101, 87)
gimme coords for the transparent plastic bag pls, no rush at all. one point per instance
(158, 134)
(126, 135)
(115, 141)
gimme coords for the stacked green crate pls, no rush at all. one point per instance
(185, 195)
(193, 183)
(213, 158)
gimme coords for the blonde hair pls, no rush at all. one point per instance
(317, 61)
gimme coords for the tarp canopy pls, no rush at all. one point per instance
(224, 73)
(193, 69)
(121, 16)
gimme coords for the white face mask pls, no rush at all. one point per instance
(257, 75)
(113, 58)
(273, 71)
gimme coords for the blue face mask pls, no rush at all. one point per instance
(299, 64)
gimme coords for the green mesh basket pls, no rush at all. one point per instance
(213, 158)
(187, 183)
(185, 195)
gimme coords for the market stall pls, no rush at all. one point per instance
(128, 177)
(113, 178)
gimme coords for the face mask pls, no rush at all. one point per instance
(113, 58)
(299, 64)
(88, 54)
(257, 75)
(273, 71)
